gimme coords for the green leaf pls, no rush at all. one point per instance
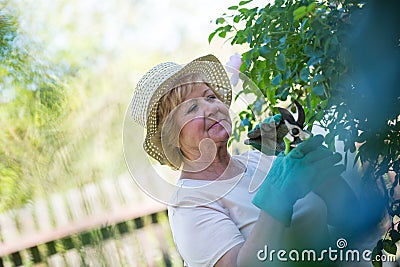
(266, 39)
(330, 140)
(379, 245)
(282, 92)
(241, 3)
(313, 61)
(281, 62)
(326, 45)
(318, 89)
(304, 74)
(211, 36)
(303, 24)
(236, 18)
(242, 68)
(249, 38)
(219, 20)
(283, 40)
(394, 235)
(317, 25)
(311, 52)
(299, 12)
(276, 80)
(311, 7)
(363, 136)
(389, 246)
(259, 20)
(240, 37)
(265, 51)
(317, 78)
(287, 74)
(222, 34)
(329, 137)
(232, 7)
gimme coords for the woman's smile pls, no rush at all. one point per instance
(218, 126)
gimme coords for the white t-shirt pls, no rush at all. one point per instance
(210, 217)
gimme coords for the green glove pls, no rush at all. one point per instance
(263, 136)
(293, 176)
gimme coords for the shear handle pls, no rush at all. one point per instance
(286, 115)
(301, 114)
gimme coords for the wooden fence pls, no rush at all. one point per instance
(111, 223)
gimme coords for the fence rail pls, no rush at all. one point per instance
(107, 224)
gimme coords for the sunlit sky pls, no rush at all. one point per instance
(136, 28)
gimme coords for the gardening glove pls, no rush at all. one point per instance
(341, 202)
(263, 137)
(327, 186)
(293, 176)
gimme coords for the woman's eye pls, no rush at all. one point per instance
(211, 97)
(192, 108)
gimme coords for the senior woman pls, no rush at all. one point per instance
(229, 210)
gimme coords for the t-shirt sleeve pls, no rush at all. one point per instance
(203, 234)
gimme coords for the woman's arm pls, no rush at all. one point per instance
(266, 229)
(308, 230)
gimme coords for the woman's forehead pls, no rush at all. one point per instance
(199, 90)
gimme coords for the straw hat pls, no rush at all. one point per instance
(164, 77)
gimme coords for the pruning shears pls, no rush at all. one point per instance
(295, 128)
(283, 135)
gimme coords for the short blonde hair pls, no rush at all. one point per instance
(167, 135)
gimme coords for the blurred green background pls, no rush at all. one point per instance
(68, 70)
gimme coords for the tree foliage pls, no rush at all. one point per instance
(341, 61)
(63, 94)
(32, 104)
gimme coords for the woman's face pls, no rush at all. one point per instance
(202, 115)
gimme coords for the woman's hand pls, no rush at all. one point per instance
(293, 176)
(263, 136)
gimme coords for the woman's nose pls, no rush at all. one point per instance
(210, 108)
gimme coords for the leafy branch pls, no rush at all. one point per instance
(341, 62)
